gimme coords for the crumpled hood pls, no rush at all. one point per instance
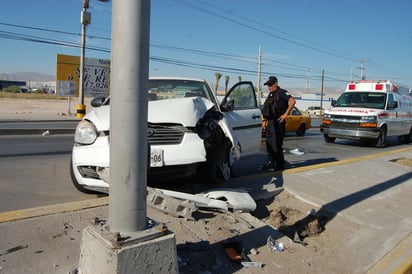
(186, 111)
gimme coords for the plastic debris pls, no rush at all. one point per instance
(274, 246)
(296, 151)
(45, 133)
(252, 264)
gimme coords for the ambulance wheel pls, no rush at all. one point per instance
(381, 141)
(328, 139)
(408, 137)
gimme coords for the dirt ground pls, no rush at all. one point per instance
(306, 242)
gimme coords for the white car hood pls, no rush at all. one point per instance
(186, 111)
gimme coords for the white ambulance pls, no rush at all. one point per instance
(370, 110)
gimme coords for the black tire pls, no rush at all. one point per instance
(381, 141)
(301, 130)
(76, 184)
(328, 139)
(218, 168)
(408, 137)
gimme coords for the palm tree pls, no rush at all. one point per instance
(226, 83)
(217, 75)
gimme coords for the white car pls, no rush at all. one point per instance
(188, 131)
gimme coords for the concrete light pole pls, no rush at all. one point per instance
(128, 244)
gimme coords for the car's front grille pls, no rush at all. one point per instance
(167, 134)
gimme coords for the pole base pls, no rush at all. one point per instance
(149, 251)
(80, 111)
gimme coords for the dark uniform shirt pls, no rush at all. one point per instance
(276, 104)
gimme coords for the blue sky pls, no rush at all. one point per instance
(197, 38)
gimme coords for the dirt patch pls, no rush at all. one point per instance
(294, 218)
(403, 161)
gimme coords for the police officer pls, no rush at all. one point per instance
(276, 108)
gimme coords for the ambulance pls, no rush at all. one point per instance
(370, 110)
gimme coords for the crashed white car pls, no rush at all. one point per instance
(188, 132)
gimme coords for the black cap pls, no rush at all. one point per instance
(272, 80)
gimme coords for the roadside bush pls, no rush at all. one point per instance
(13, 89)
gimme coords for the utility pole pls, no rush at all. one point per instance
(259, 77)
(362, 68)
(307, 80)
(85, 19)
(321, 92)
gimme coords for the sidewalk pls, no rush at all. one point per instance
(47, 239)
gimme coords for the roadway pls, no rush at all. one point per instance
(34, 169)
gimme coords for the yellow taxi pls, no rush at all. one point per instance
(297, 122)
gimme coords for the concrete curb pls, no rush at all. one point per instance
(34, 212)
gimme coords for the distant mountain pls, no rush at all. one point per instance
(27, 76)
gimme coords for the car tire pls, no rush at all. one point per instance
(328, 139)
(218, 168)
(408, 137)
(76, 184)
(301, 130)
(381, 141)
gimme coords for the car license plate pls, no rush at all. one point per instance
(156, 157)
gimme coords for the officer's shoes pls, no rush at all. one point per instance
(269, 166)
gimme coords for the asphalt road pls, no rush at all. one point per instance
(34, 169)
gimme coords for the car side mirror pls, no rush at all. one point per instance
(333, 103)
(97, 101)
(394, 104)
(228, 105)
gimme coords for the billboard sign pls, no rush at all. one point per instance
(96, 74)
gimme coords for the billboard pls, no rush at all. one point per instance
(96, 75)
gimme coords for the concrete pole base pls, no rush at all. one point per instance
(150, 251)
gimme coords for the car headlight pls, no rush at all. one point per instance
(86, 133)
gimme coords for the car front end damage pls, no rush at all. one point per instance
(182, 133)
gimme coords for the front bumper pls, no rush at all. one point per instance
(91, 163)
(352, 133)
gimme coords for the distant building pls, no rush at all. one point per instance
(5, 84)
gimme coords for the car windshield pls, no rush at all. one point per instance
(160, 89)
(362, 99)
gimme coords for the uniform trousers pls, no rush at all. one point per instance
(275, 132)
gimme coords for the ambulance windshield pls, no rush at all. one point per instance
(362, 100)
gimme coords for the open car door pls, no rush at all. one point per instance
(241, 110)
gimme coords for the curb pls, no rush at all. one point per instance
(21, 214)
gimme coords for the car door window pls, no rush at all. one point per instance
(244, 116)
(243, 97)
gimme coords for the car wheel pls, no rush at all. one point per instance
(223, 170)
(328, 139)
(76, 184)
(218, 168)
(381, 141)
(301, 130)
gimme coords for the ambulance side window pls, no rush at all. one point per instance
(391, 102)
